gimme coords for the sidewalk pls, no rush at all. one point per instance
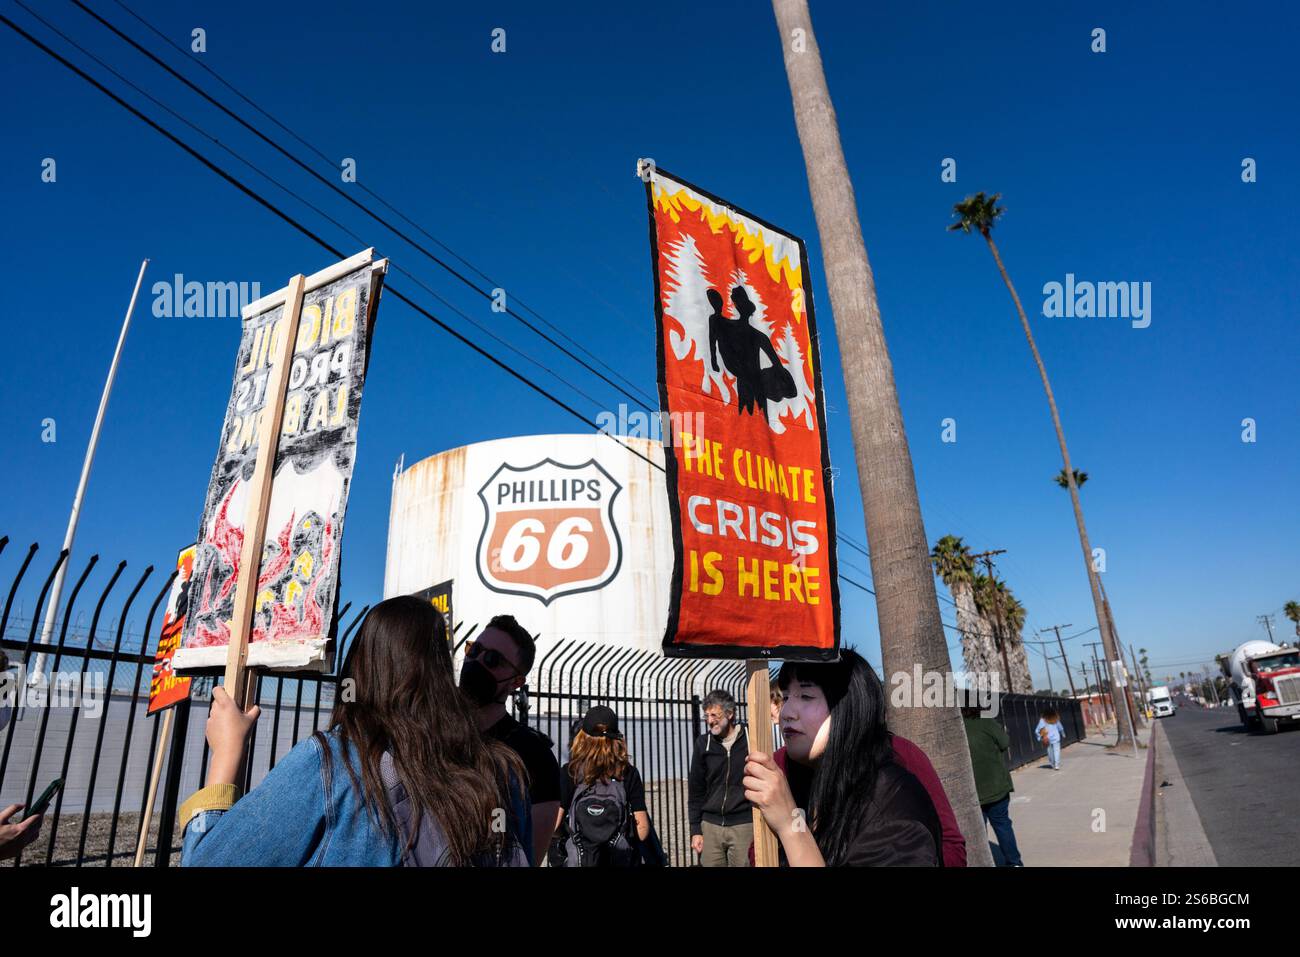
(1084, 814)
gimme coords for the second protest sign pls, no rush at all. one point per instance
(748, 469)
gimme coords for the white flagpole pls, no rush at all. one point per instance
(36, 674)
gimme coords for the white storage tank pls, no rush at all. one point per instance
(568, 533)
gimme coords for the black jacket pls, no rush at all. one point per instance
(899, 828)
(717, 791)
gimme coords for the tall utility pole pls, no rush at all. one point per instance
(987, 559)
(1130, 706)
(1101, 686)
(1143, 688)
(1060, 644)
(1138, 680)
(907, 604)
(1083, 673)
(37, 673)
(1267, 622)
(1047, 662)
(1121, 706)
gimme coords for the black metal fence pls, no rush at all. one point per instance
(86, 720)
(1019, 714)
(658, 703)
(75, 709)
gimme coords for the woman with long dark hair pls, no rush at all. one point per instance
(402, 775)
(843, 800)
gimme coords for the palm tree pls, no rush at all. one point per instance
(1013, 632)
(953, 564)
(1136, 712)
(1004, 619)
(980, 213)
(1292, 610)
(1079, 478)
(907, 603)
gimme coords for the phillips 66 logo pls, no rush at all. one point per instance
(548, 530)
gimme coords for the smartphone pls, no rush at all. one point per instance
(40, 805)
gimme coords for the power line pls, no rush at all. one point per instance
(487, 294)
(267, 204)
(449, 250)
(650, 402)
(316, 238)
(271, 179)
(855, 584)
(252, 194)
(380, 199)
(857, 547)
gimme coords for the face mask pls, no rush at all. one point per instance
(477, 683)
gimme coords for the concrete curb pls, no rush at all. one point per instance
(1180, 839)
(1143, 851)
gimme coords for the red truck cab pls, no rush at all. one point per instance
(1277, 687)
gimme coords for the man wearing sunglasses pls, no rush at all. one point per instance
(496, 663)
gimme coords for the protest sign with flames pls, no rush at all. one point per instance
(167, 688)
(294, 588)
(748, 471)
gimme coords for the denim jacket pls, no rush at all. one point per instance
(301, 817)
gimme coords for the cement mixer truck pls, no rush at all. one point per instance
(1266, 683)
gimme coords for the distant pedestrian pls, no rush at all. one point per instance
(722, 820)
(988, 741)
(603, 818)
(1051, 732)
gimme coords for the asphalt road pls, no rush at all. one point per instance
(1244, 785)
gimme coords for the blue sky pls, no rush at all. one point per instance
(1122, 166)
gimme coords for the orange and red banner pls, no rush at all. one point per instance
(748, 469)
(166, 687)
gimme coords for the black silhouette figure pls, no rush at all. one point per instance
(742, 347)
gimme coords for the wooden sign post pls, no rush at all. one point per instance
(164, 737)
(758, 693)
(239, 681)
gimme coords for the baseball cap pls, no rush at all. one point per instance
(601, 722)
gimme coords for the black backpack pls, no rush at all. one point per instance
(598, 827)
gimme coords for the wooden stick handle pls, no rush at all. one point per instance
(758, 690)
(259, 495)
(164, 735)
